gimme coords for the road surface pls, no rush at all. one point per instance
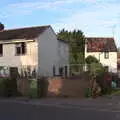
(20, 111)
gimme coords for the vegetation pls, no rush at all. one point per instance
(76, 41)
(115, 92)
(91, 59)
(94, 66)
(1, 26)
(118, 49)
(7, 88)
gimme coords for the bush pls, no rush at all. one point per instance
(7, 88)
(94, 66)
(97, 68)
(91, 59)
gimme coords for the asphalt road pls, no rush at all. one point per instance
(19, 111)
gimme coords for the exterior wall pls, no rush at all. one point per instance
(111, 62)
(47, 52)
(118, 61)
(10, 59)
(67, 87)
(63, 53)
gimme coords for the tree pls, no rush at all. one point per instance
(1, 26)
(94, 65)
(91, 59)
(118, 49)
(64, 34)
(76, 41)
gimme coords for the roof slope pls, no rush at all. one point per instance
(101, 44)
(22, 33)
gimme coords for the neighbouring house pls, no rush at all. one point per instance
(32, 49)
(104, 49)
(118, 61)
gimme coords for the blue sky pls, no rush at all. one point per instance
(93, 17)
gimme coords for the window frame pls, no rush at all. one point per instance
(22, 50)
(1, 53)
(106, 55)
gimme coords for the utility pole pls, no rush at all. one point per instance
(113, 30)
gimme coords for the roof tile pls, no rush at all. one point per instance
(101, 44)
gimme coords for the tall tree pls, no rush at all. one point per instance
(76, 41)
(1, 26)
(118, 49)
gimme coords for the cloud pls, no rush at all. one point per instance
(44, 5)
(47, 4)
(93, 17)
(99, 16)
(96, 20)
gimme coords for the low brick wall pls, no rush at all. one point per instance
(23, 86)
(58, 87)
(67, 87)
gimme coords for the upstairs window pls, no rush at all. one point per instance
(20, 48)
(1, 50)
(106, 55)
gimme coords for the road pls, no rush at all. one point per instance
(20, 111)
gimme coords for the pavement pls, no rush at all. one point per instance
(105, 108)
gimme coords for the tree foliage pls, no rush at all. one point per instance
(1, 26)
(91, 59)
(94, 66)
(118, 49)
(76, 45)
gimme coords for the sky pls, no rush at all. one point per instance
(96, 18)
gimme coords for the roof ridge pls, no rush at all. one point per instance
(25, 28)
(100, 37)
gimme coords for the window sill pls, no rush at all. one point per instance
(20, 54)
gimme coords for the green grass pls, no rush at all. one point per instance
(116, 92)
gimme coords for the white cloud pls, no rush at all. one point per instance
(45, 5)
(100, 16)
(96, 19)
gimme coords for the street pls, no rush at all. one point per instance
(24, 111)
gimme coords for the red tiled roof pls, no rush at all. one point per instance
(22, 33)
(101, 44)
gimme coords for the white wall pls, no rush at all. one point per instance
(111, 62)
(63, 53)
(10, 59)
(47, 52)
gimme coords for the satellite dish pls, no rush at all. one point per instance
(1, 26)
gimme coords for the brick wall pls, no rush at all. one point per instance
(23, 86)
(57, 86)
(67, 87)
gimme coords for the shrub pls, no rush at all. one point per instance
(7, 88)
(91, 59)
(94, 66)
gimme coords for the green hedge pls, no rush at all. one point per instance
(7, 88)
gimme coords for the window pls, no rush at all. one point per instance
(106, 55)
(106, 68)
(20, 48)
(1, 49)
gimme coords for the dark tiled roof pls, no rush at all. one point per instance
(22, 33)
(100, 44)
